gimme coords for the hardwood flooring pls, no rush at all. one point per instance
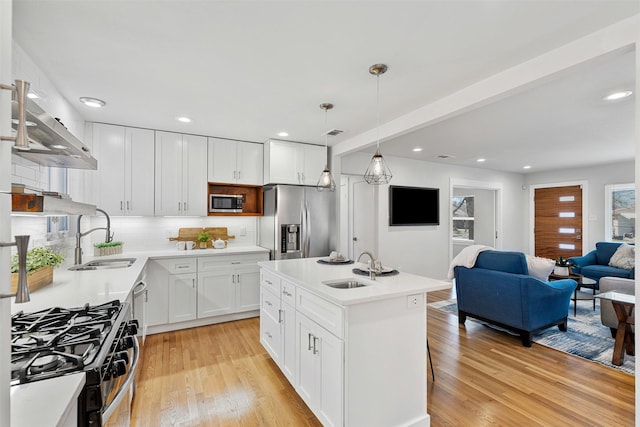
(220, 375)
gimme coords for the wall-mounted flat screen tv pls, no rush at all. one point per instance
(414, 205)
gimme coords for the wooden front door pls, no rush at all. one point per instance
(558, 221)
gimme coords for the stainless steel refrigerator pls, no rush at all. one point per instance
(297, 221)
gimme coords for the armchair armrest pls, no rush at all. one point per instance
(582, 261)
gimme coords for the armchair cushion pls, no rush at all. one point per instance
(624, 257)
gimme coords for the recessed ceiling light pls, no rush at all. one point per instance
(526, 167)
(417, 149)
(184, 119)
(92, 102)
(283, 134)
(480, 160)
(618, 95)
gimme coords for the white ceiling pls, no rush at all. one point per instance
(247, 70)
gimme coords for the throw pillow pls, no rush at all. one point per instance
(540, 267)
(624, 257)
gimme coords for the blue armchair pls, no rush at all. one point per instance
(595, 264)
(499, 290)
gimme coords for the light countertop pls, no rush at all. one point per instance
(45, 403)
(310, 275)
(77, 288)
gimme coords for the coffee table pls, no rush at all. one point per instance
(623, 305)
(578, 295)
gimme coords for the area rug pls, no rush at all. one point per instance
(585, 336)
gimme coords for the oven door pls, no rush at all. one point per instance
(117, 412)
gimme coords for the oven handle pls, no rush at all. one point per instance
(108, 411)
(139, 288)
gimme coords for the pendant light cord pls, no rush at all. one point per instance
(377, 112)
(326, 148)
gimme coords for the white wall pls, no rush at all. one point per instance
(596, 177)
(425, 250)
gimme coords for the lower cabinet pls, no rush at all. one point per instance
(199, 289)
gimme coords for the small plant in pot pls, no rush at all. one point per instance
(203, 238)
(40, 264)
(562, 267)
(110, 248)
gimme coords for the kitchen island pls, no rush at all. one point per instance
(356, 356)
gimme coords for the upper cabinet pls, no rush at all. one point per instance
(293, 163)
(125, 177)
(181, 174)
(235, 162)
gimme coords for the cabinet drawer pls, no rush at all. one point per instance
(178, 265)
(270, 304)
(324, 313)
(209, 262)
(270, 281)
(270, 336)
(288, 292)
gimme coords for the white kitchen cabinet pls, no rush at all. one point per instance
(182, 297)
(216, 291)
(160, 292)
(181, 174)
(320, 366)
(293, 163)
(124, 183)
(235, 162)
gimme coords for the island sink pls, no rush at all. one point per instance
(345, 284)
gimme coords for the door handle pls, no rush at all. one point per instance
(315, 342)
(309, 346)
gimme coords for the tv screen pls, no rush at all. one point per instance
(414, 206)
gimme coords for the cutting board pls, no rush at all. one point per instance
(191, 235)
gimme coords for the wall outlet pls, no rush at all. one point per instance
(416, 300)
(243, 231)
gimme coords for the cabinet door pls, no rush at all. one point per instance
(109, 147)
(284, 162)
(182, 297)
(249, 163)
(247, 284)
(158, 294)
(216, 292)
(306, 376)
(168, 174)
(222, 160)
(270, 335)
(329, 377)
(288, 337)
(315, 160)
(194, 177)
(139, 170)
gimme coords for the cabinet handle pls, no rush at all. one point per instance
(238, 276)
(267, 281)
(128, 205)
(182, 266)
(121, 205)
(234, 174)
(279, 316)
(146, 295)
(315, 348)
(302, 176)
(193, 283)
(287, 293)
(185, 207)
(179, 206)
(268, 302)
(309, 347)
(238, 174)
(298, 176)
(268, 335)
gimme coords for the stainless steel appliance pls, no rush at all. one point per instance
(297, 221)
(226, 203)
(99, 340)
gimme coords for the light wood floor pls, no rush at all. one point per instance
(220, 375)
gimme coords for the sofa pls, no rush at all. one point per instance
(607, 313)
(498, 289)
(595, 264)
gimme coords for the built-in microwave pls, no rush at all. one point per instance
(231, 203)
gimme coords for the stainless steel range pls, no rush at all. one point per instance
(99, 340)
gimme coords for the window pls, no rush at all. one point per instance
(462, 214)
(620, 212)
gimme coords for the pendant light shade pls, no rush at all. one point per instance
(326, 182)
(378, 172)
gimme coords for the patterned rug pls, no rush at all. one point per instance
(586, 337)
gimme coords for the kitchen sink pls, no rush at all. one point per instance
(345, 284)
(100, 264)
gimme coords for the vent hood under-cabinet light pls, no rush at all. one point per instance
(49, 142)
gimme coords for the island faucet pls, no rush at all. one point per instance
(374, 265)
(108, 237)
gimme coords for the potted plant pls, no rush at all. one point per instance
(111, 248)
(203, 238)
(40, 264)
(562, 267)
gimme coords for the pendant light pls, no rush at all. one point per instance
(326, 182)
(378, 172)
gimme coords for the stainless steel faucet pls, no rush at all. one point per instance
(108, 237)
(374, 266)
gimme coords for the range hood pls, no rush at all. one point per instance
(43, 205)
(51, 143)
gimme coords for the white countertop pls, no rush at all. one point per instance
(77, 288)
(45, 403)
(310, 275)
